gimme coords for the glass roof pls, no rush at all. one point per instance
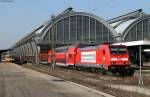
(121, 26)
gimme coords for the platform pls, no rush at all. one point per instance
(17, 81)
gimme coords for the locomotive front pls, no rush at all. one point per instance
(119, 60)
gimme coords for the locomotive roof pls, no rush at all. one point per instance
(63, 47)
(89, 48)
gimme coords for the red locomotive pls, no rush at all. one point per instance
(113, 58)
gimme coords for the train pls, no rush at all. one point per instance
(104, 58)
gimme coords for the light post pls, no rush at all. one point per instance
(140, 59)
(53, 41)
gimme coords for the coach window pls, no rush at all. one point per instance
(70, 55)
(103, 52)
(52, 55)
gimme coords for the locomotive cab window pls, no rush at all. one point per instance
(122, 50)
(118, 50)
(114, 51)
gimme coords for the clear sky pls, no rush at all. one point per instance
(20, 17)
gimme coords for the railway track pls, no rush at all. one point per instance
(92, 80)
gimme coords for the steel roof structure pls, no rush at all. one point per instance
(67, 28)
(73, 28)
(133, 26)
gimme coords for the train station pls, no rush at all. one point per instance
(73, 51)
(71, 27)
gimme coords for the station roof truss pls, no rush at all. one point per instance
(71, 27)
(133, 26)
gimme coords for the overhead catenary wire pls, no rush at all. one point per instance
(105, 4)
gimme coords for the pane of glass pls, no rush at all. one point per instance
(117, 50)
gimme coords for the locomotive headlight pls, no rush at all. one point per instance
(125, 62)
(113, 63)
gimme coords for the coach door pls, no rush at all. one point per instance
(70, 59)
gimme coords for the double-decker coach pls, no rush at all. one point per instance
(65, 56)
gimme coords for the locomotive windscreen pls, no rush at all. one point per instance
(117, 50)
